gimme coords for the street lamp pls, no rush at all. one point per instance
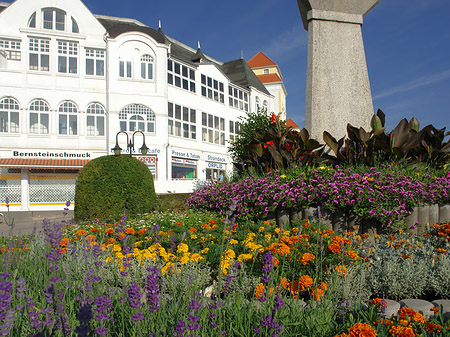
(130, 143)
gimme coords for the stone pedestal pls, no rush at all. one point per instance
(337, 84)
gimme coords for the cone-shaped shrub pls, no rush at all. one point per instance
(109, 185)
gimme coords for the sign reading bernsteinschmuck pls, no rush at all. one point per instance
(57, 154)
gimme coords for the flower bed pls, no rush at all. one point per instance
(197, 274)
(385, 195)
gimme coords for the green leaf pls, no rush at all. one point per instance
(376, 123)
(330, 141)
(414, 124)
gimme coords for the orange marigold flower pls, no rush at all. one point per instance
(305, 282)
(341, 270)
(307, 257)
(284, 283)
(335, 248)
(178, 223)
(352, 254)
(401, 331)
(110, 241)
(64, 242)
(141, 231)
(121, 235)
(109, 231)
(260, 290)
(441, 250)
(129, 231)
(361, 330)
(192, 230)
(377, 301)
(80, 232)
(63, 250)
(212, 221)
(90, 238)
(432, 327)
(93, 230)
(275, 261)
(435, 310)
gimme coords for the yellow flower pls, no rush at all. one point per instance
(233, 242)
(182, 248)
(276, 231)
(267, 237)
(204, 251)
(196, 257)
(108, 259)
(261, 229)
(184, 259)
(283, 176)
(245, 257)
(165, 269)
(193, 237)
(321, 167)
(117, 248)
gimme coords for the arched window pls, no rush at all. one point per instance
(136, 117)
(258, 104)
(32, 21)
(54, 19)
(265, 107)
(95, 120)
(39, 112)
(147, 67)
(67, 118)
(9, 115)
(75, 28)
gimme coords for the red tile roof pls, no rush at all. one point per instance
(269, 78)
(260, 60)
(292, 124)
(42, 163)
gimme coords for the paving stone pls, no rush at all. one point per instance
(420, 306)
(392, 308)
(445, 307)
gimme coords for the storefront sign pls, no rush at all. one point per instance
(138, 151)
(185, 154)
(216, 165)
(216, 158)
(57, 154)
(184, 161)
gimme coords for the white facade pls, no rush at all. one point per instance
(70, 81)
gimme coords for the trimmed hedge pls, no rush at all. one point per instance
(109, 185)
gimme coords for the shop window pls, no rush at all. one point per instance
(184, 169)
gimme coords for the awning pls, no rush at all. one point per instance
(43, 163)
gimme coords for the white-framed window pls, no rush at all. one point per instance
(95, 120)
(146, 67)
(184, 169)
(182, 121)
(213, 129)
(238, 98)
(53, 19)
(39, 117)
(266, 71)
(180, 76)
(95, 62)
(12, 49)
(212, 89)
(125, 68)
(9, 115)
(67, 118)
(258, 104)
(234, 129)
(136, 117)
(265, 107)
(32, 21)
(39, 52)
(67, 57)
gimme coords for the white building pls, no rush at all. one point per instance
(71, 80)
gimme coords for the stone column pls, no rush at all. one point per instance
(337, 84)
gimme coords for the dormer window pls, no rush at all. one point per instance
(54, 19)
(265, 71)
(32, 21)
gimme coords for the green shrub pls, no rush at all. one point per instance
(109, 185)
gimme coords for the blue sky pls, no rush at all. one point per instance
(407, 44)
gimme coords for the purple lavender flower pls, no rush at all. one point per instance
(179, 329)
(152, 288)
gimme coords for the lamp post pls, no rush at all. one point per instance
(130, 143)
